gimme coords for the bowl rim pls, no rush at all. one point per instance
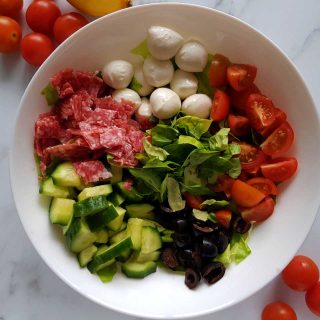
(64, 44)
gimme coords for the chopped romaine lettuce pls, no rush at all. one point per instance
(148, 176)
(190, 140)
(163, 135)
(174, 195)
(193, 126)
(154, 152)
(219, 142)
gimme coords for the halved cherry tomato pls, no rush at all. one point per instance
(245, 195)
(218, 71)
(241, 76)
(251, 158)
(301, 274)
(280, 118)
(220, 105)
(259, 212)
(223, 184)
(260, 111)
(278, 311)
(239, 98)
(10, 34)
(264, 185)
(10, 8)
(280, 169)
(243, 176)
(239, 125)
(224, 217)
(313, 299)
(279, 141)
(192, 200)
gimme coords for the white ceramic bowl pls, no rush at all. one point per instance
(163, 294)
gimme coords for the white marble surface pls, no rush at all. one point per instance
(28, 289)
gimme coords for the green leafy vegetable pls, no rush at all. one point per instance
(200, 215)
(203, 79)
(149, 176)
(163, 135)
(193, 126)
(233, 149)
(197, 189)
(199, 156)
(106, 274)
(141, 50)
(142, 157)
(178, 152)
(190, 140)
(51, 94)
(154, 152)
(162, 165)
(211, 204)
(135, 85)
(191, 177)
(235, 171)
(225, 257)
(219, 141)
(163, 189)
(174, 195)
(239, 247)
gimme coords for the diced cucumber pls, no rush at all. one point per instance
(48, 188)
(150, 240)
(107, 273)
(90, 205)
(124, 256)
(102, 236)
(138, 269)
(116, 174)
(130, 194)
(102, 190)
(116, 199)
(122, 227)
(141, 210)
(104, 265)
(109, 253)
(65, 176)
(167, 236)
(101, 219)
(86, 255)
(118, 237)
(79, 236)
(151, 223)
(134, 228)
(67, 227)
(138, 256)
(116, 223)
(61, 211)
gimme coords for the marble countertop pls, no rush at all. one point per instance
(28, 288)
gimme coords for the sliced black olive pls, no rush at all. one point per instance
(185, 258)
(241, 226)
(201, 229)
(192, 278)
(169, 258)
(208, 248)
(181, 240)
(181, 225)
(222, 242)
(213, 272)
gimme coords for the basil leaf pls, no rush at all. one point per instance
(174, 195)
(203, 79)
(163, 189)
(162, 165)
(163, 135)
(219, 141)
(141, 50)
(235, 171)
(149, 176)
(178, 152)
(213, 204)
(51, 94)
(193, 126)
(198, 189)
(154, 152)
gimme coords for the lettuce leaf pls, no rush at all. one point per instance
(190, 140)
(174, 195)
(219, 142)
(154, 152)
(161, 165)
(51, 94)
(148, 176)
(141, 50)
(211, 204)
(163, 135)
(203, 79)
(135, 85)
(239, 248)
(193, 126)
(197, 189)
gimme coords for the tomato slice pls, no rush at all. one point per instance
(223, 184)
(280, 169)
(251, 158)
(220, 105)
(224, 217)
(280, 118)
(218, 71)
(239, 125)
(260, 111)
(193, 201)
(264, 185)
(245, 195)
(241, 76)
(279, 141)
(258, 212)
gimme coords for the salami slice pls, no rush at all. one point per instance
(92, 171)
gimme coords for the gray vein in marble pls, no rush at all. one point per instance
(4, 153)
(12, 281)
(311, 37)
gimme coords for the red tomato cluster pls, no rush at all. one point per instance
(301, 274)
(45, 20)
(247, 112)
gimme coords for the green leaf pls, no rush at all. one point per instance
(135, 85)
(199, 156)
(174, 195)
(154, 152)
(106, 274)
(203, 79)
(197, 189)
(51, 94)
(142, 157)
(239, 248)
(162, 165)
(149, 176)
(163, 135)
(225, 257)
(200, 215)
(141, 50)
(218, 163)
(211, 204)
(163, 189)
(178, 152)
(190, 140)
(235, 171)
(190, 176)
(193, 126)
(233, 149)
(219, 141)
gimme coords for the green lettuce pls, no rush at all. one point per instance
(190, 140)
(141, 50)
(174, 195)
(219, 142)
(211, 204)
(148, 176)
(154, 152)
(163, 135)
(203, 79)
(193, 126)
(51, 94)
(135, 85)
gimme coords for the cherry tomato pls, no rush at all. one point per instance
(241, 76)
(67, 24)
(245, 195)
(260, 111)
(223, 184)
(192, 200)
(36, 48)
(279, 141)
(280, 117)
(280, 169)
(251, 158)
(41, 16)
(224, 217)
(10, 8)
(259, 212)
(301, 273)
(264, 185)
(220, 106)
(239, 125)
(313, 299)
(10, 34)
(278, 311)
(218, 71)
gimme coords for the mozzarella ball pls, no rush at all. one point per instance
(145, 109)
(143, 88)
(163, 43)
(117, 74)
(184, 84)
(165, 103)
(198, 105)
(127, 95)
(156, 72)
(192, 57)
